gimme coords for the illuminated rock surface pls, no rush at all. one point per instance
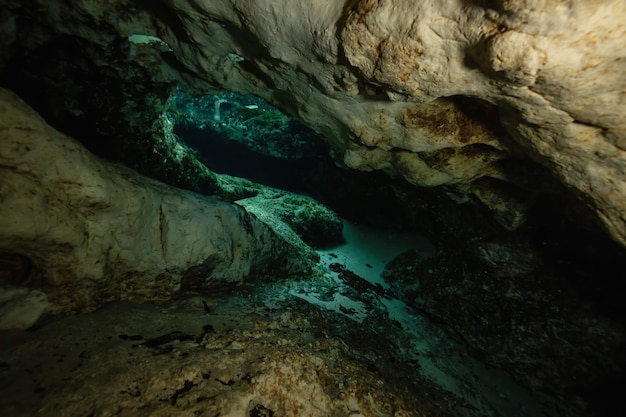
(254, 352)
(506, 117)
(475, 95)
(96, 231)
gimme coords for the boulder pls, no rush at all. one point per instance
(95, 231)
(491, 99)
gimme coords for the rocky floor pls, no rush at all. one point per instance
(258, 353)
(330, 347)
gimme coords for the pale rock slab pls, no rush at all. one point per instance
(259, 354)
(381, 80)
(385, 81)
(20, 308)
(95, 231)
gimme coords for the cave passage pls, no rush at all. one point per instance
(242, 136)
(168, 254)
(235, 159)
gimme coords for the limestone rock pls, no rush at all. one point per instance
(258, 355)
(550, 71)
(95, 231)
(20, 308)
(315, 224)
(521, 314)
(387, 83)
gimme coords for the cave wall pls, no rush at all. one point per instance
(91, 231)
(526, 95)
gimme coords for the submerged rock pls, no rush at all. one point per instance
(20, 308)
(496, 100)
(314, 223)
(96, 231)
(549, 327)
(261, 352)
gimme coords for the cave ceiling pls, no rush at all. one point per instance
(500, 101)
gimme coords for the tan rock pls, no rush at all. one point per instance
(383, 80)
(257, 355)
(20, 308)
(553, 69)
(95, 231)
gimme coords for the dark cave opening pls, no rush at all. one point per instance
(228, 157)
(259, 143)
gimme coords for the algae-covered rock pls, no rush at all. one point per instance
(311, 221)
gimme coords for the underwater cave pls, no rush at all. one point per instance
(275, 208)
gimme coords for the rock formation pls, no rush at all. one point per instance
(509, 108)
(96, 231)
(242, 360)
(470, 94)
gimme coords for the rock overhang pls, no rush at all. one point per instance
(389, 85)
